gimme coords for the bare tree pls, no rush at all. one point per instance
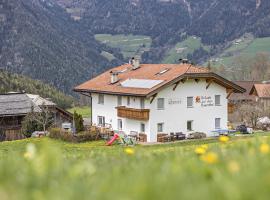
(250, 112)
(44, 117)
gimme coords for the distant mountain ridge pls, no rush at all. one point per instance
(39, 39)
(216, 22)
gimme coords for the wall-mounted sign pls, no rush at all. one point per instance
(174, 101)
(206, 101)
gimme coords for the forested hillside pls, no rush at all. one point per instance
(39, 39)
(18, 83)
(168, 22)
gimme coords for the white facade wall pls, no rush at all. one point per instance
(109, 111)
(174, 116)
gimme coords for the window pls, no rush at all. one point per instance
(120, 124)
(128, 101)
(142, 103)
(190, 125)
(101, 121)
(217, 123)
(101, 99)
(190, 102)
(160, 127)
(119, 100)
(142, 127)
(217, 100)
(160, 104)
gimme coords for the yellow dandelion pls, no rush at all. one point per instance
(200, 151)
(210, 158)
(204, 146)
(224, 139)
(264, 148)
(129, 151)
(30, 151)
(233, 167)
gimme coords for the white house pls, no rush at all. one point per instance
(159, 98)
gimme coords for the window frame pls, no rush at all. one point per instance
(218, 104)
(142, 103)
(120, 124)
(161, 108)
(102, 119)
(128, 101)
(191, 125)
(101, 100)
(219, 127)
(119, 101)
(161, 124)
(142, 129)
(190, 97)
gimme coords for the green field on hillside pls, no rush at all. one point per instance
(130, 45)
(246, 48)
(85, 111)
(204, 169)
(182, 49)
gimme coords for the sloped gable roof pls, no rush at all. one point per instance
(261, 90)
(172, 74)
(16, 104)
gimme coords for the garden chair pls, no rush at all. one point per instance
(163, 137)
(134, 134)
(173, 136)
(142, 137)
(180, 136)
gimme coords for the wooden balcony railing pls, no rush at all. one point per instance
(132, 113)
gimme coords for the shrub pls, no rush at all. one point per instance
(57, 133)
(78, 122)
(29, 125)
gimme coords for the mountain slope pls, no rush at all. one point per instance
(167, 22)
(39, 39)
(17, 83)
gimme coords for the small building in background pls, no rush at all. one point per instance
(15, 106)
(239, 98)
(261, 93)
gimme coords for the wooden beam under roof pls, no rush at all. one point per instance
(153, 97)
(209, 82)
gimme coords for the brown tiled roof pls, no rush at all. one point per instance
(176, 72)
(261, 90)
(244, 96)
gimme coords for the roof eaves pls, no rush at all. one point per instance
(234, 86)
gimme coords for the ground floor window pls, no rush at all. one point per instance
(142, 127)
(101, 121)
(160, 127)
(120, 124)
(190, 125)
(217, 123)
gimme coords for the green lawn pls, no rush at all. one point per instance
(130, 45)
(50, 169)
(85, 111)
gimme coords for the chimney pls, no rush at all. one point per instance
(183, 61)
(114, 77)
(135, 62)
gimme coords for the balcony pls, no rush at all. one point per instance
(132, 113)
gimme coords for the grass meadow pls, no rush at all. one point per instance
(85, 111)
(238, 168)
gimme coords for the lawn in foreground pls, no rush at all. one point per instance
(49, 169)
